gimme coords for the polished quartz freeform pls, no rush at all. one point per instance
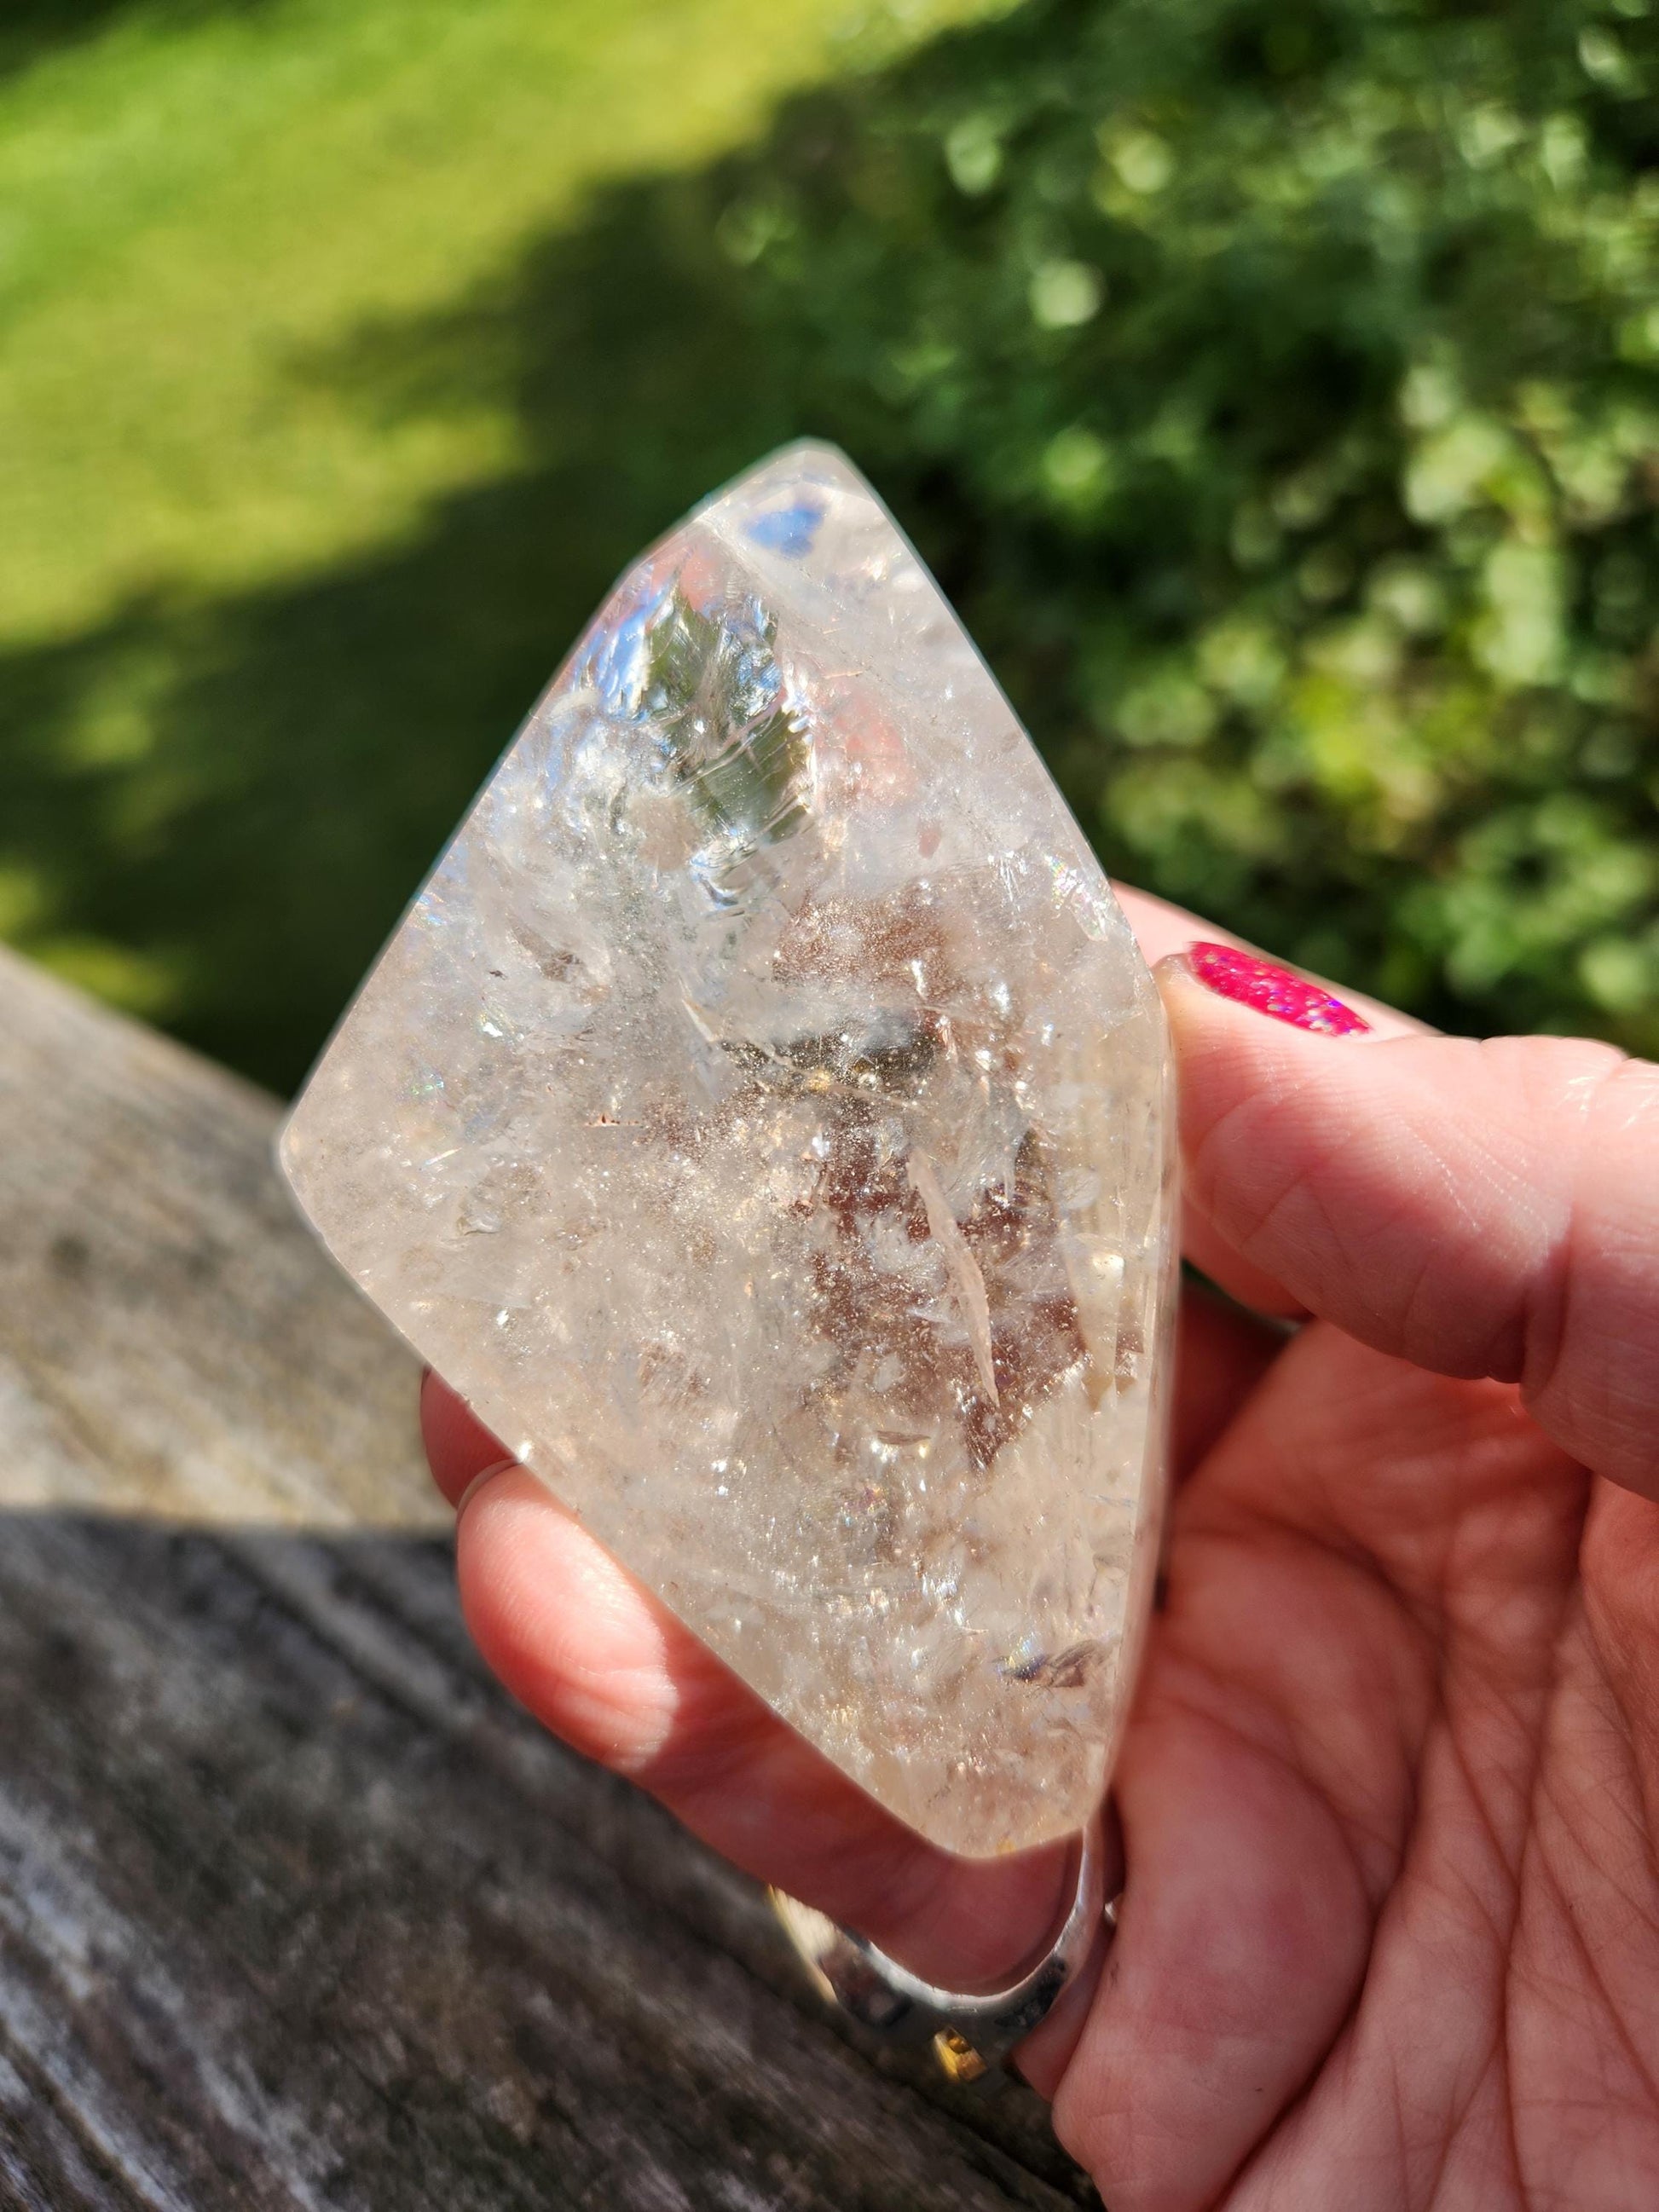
(762, 1117)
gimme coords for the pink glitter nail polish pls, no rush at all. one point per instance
(1241, 977)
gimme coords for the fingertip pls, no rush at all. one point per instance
(1477, 1208)
(1264, 1104)
(1262, 1100)
(567, 1629)
(458, 1447)
(1162, 930)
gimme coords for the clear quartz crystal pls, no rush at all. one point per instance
(762, 1118)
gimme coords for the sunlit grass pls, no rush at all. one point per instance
(198, 201)
(1270, 382)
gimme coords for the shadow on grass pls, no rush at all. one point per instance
(245, 793)
(235, 798)
(31, 30)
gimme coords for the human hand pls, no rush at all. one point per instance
(1389, 1800)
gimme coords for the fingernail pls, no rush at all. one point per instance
(1248, 981)
(485, 1474)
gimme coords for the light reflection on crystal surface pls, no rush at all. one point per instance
(762, 1115)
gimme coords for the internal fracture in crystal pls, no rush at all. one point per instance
(761, 1119)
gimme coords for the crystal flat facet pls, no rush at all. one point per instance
(762, 1117)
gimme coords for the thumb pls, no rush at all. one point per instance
(1481, 1209)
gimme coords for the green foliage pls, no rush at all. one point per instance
(1273, 384)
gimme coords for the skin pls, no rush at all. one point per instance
(1389, 1801)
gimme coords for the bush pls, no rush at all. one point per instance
(1273, 382)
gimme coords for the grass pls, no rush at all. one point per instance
(262, 621)
(1268, 381)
